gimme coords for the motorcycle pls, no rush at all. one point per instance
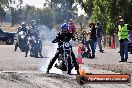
(65, 62)
(130, 43)
(35, 46)
(22, 40)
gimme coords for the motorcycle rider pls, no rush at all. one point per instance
(60, 38)
(34, 29)
(33, 32)
(24, 29)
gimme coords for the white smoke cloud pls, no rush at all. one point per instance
(49, 50)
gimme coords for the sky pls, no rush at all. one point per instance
(39, 4)
(36, 3)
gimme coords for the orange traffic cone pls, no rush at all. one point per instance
(79, 55)
(81, 71)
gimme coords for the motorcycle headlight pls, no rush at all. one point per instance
(67, 44)
(20, 33)
(60, 62)
(22, 37)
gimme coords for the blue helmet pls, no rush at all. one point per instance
(64, 26)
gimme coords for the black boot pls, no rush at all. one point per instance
(47, 71)
(93, 56)
(125, 60)
(69, 72)
(122, 60)
(101, 51)
(41, 55)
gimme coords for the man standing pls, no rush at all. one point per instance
(92, 39)
(123, 38)
(71, 26)
(99, 36)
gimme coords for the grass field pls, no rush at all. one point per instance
(7, 27)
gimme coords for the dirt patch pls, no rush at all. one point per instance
(40, 80)
(117, 68)
(8, 28)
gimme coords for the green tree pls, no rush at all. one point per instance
(14, 6)
(107, 11)
(62, 10)
(2, 14)
(3, 4)
(43, 16)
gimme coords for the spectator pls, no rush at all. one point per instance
(123, 38)
(92, 39)
(72, 28)
(99, 36)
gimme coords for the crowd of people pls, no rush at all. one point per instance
(28, 39)
(93, 36)
(68, 33)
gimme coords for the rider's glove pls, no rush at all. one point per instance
(54, 41)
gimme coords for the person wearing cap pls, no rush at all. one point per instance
(99, 36)
(71, 27)
(92, 39)
(123, 30)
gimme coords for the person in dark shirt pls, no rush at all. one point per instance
(60, 38)
(99, 36)
(92, 39)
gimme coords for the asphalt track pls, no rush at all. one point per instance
(17, 71)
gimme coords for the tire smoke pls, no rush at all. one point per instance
(49, 49)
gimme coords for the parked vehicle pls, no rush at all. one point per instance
(7, 37)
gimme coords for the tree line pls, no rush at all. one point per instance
(108, 11)
(58, 11)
